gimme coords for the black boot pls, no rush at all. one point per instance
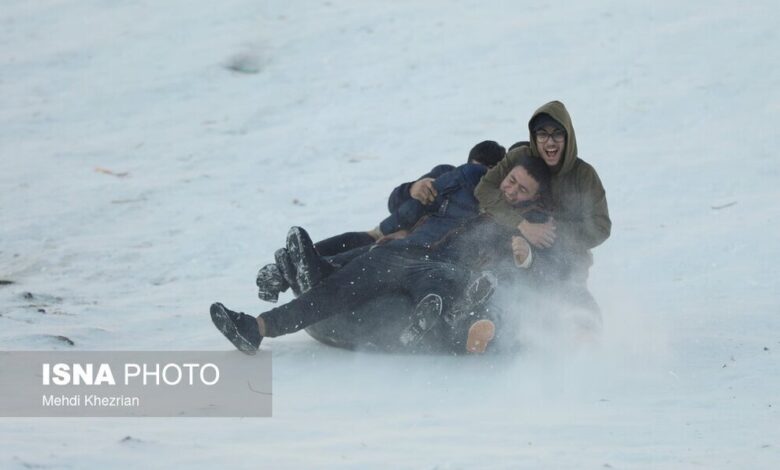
(425, 316)
(481, 288)
(470, 327)
(270, 283)
(287, 269)
(477, 294)
(310, 268)
(241, 329)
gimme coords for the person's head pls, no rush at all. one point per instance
(528, 181)
(487, 153)
(522, 143)
(549, 137)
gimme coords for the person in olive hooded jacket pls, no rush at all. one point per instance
(581, 218)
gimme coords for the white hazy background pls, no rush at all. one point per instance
(217, 125)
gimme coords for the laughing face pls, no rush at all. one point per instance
(519, 186)
(550, 142)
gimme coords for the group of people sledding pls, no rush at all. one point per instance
(527, 216)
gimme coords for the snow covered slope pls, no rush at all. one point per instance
(155, 153)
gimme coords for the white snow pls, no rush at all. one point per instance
(674, 103)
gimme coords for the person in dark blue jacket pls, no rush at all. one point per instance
(404, 203)
(432, 266)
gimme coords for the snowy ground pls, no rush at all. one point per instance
(673, 103)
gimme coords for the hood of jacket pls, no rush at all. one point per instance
(557, 111)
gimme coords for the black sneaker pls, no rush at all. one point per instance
(287, 269)
(476, 296)
(241, 329)
(310, 268)
(481, 288)
(425, 316)
(270, 282)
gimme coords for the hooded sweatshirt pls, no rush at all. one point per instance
(578, 197)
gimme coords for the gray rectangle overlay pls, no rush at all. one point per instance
(135, 384)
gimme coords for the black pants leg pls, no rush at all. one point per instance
(344, 242)
(340, 259)
(380, 271)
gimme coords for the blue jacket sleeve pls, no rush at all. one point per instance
(465, 175)
(410, 211)
(401, 193)
(404, 218)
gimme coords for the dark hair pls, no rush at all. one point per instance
(522, 143)
(488, 153)
(539, 171)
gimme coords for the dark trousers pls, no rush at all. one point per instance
(344, 242)
(383, 270)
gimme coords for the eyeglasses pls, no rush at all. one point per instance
(558, 136)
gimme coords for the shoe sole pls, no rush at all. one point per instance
(480, 335)
(270, 284)
(295, 249)
(426, 315)
(477, 295)
(226, 326)
(286, 267)
(480, 291)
